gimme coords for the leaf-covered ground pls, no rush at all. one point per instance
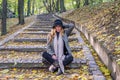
(13, 27)
(102, 67)
(103, 22)
(44, 74)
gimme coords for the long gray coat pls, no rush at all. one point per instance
(50, 46)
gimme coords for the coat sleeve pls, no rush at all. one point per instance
(50, 49)
(70, 28)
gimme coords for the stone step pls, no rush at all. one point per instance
(37, 39)
(27, 43)
(32, 48)
(49, 27)
(14, 55)
(40, 36)
(41, 33)
(37, 32)
(30, 40)
(12, 36)
(39, 21)
(23, 48)
(43, 24)
(31, 63)
(37, 29)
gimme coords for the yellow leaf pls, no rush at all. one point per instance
(34, 71)
(14, 69)
(84, 78)
(5, 71)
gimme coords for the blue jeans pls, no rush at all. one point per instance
(68, 58)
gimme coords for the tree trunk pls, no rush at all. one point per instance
(33, 7)
(86, 2)
(46, 5)
(15, 8)
(77, 3)
(21, 12)
(62, 6)
(4, 17)
(53, 6)
(50, 5)
(57, 5)
(28, 7)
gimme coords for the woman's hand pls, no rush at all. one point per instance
(54, 57)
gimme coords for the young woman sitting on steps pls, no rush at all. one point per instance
(58, 50)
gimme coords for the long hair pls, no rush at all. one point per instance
(52, 34)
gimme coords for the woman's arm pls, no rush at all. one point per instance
(50, 49)
(70, 28)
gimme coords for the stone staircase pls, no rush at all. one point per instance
(23, 49)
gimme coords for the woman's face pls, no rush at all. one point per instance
(58, 28)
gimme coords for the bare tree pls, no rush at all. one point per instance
(21, 11)
(50, 5)
(86, 2)
(57, 5)
(28, 7)
(62, 6)
(45, 2)
(4, 16)
(78, 3)
(33, 6)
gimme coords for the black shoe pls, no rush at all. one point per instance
(54, 69)
(59, 72)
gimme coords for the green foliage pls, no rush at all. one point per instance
(39, 7)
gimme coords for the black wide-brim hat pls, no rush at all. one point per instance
(58, 22)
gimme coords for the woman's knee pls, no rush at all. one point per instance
(44, 54)
(71, 58)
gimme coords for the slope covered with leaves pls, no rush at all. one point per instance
(12, 25)
(102, 21)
